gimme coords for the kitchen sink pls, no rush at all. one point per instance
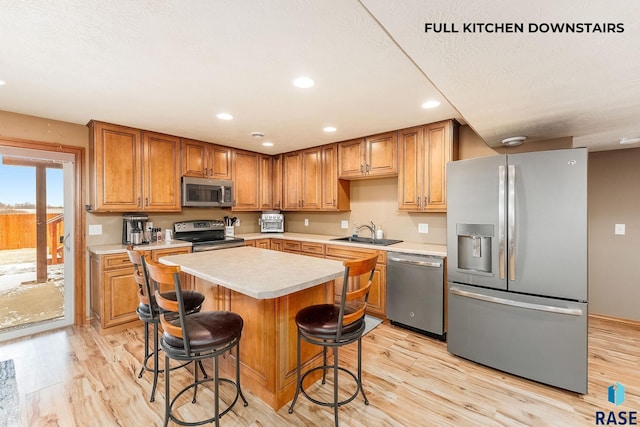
(368, 240)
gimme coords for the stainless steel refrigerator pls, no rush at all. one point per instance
(517, 264)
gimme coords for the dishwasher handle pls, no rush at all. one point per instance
(418, 263)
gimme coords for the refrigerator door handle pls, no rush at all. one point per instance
(501, 222)
(519, 304)
(511, 216)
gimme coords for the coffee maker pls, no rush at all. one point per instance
(133, 229)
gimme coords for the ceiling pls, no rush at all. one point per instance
(171, 66)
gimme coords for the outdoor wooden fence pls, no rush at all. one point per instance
(18, 230)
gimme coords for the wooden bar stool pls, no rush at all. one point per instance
(336, 325)
(149, 312)
(195, 337)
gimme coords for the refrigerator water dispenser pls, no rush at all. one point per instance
(474, 248)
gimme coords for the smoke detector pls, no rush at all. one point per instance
(257, 135)
(513, 141)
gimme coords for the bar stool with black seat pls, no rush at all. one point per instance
(195, 337)
(336, 325)
(149, 312)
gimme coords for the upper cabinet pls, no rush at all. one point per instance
(424, 153)
(133, 170)
(204, 160)
(276, 182)
(246, 180)
(370, 157)
(302, 185)
(335, 192)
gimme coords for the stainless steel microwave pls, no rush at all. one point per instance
(203, 192)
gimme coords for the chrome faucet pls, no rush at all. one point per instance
(371, 228)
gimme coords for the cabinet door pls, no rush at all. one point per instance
(220, 162)
(185, 279)
(311, 179)
(276, 181)
(382, 154)
(276, 245)
(265, 185)
(439, 149)
(161, 174)
(115, 168)
(292, 165)
(263, 243)
(246, 168)
(410, 170)
(351, 158)
(194, 158)
(121, 297)
(377, 294)
(335, 192)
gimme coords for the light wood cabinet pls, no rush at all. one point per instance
(302, 180)
(275, 245)
(204, 160)
(133, 170)
(424, 153)
(370, 157)
(246, 180)
(265, 183)
(377, 304)
(114, 291)
(335, 192)
(276, 182)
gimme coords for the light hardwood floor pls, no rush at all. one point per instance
(74, 377)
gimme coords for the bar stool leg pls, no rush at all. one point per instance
(298, 385)
(146, 348)
(167, 398)
(155, 360)
(335, 384)
(366, 401)
(238, 374)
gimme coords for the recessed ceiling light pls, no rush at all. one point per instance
(2, 83)
(329, 129)
(431, 104)
(625, 141)
(267, 144)
(303, 82)
(513, 141)
(224, 116)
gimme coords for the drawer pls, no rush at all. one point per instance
(345, 252)
(292, 246)
(159, 253)
(315, 249)
(110, 262)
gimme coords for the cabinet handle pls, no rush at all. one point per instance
(368, 168)
(139, 202)
(418, 201)
(361, 168)
(426, 201)
(146, 201)
(334, 202)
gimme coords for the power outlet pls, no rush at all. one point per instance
(237, 224)
(344, 224)
(95, 230)
(423, 228)
(306, 222)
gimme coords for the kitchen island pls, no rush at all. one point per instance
(267, 288)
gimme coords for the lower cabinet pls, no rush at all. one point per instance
(114, 292)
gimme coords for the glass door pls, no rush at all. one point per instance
(36, 241)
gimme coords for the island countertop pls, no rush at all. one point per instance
(258, 273)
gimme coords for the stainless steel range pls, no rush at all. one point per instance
(205, 235)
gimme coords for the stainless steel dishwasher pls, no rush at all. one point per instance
(415, 293)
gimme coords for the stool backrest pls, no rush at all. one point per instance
(168, 275)
(355, 291)
(141, 276)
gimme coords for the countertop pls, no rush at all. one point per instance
(118, 248)
(258, 273)
(405, 247)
